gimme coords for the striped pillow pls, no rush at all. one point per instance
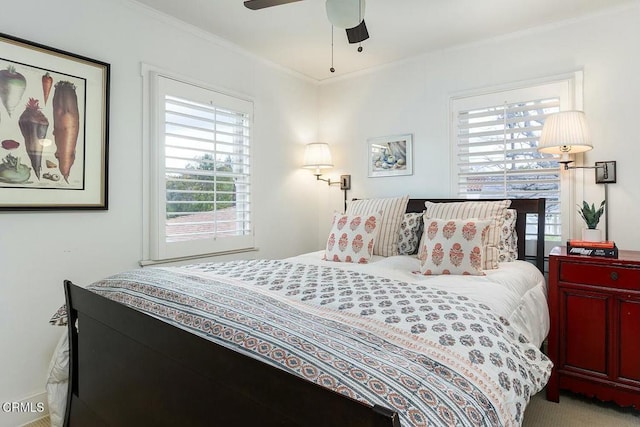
(476, 210)
(392, 211)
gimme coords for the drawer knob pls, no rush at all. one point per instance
(614, 275)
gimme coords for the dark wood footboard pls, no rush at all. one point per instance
(128, 368)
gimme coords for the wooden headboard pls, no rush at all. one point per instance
(524, 207)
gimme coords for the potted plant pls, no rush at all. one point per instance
(591, 216)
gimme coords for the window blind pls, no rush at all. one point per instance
(206, 171)
(496, 156)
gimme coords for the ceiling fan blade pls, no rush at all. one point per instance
(358, 33)
(261, 4)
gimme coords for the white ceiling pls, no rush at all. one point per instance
(297, 36)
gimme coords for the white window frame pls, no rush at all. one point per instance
(156, 249)
(567, 87)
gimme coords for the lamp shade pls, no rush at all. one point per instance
(565, 133)
(317, 156)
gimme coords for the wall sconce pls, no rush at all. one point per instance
(317, 156)
(567, 133)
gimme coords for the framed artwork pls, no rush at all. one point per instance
(390, 155)
(54, 121)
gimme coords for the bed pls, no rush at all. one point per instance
(309, 342)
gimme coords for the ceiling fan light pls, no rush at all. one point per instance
(345, 13)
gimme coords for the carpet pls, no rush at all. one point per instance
(577, 411)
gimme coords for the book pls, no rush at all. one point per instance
(606, 249)
(586, 243)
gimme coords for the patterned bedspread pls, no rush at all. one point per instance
(437, 358)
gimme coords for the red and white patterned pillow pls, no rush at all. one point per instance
(477, 210)
(453, 246)
(352, 238)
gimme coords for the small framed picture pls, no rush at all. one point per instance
(390, 155)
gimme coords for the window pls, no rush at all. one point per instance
(201, 180)
(495, 139)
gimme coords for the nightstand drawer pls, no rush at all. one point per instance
(602, 275)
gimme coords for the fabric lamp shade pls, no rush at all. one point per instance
(317, 155)
(565, 133)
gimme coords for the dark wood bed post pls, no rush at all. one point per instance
(542, 222)
(72, 316)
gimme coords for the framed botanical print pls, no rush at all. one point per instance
(54, 109)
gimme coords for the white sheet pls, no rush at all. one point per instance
(57, 381)
(516, 290)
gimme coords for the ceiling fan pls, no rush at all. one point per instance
(341, 13)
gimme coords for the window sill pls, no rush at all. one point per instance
(148, 262)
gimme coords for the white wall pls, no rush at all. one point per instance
(40, 249)
(413, 97)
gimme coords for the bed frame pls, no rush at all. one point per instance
(128, 368)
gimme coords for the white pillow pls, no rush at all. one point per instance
(392, 211)
(453, 246)
(352, 238)
(477, 210)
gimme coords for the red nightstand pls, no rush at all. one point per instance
(594, 340)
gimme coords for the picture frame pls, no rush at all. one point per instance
(54, 126)
(390, 155)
